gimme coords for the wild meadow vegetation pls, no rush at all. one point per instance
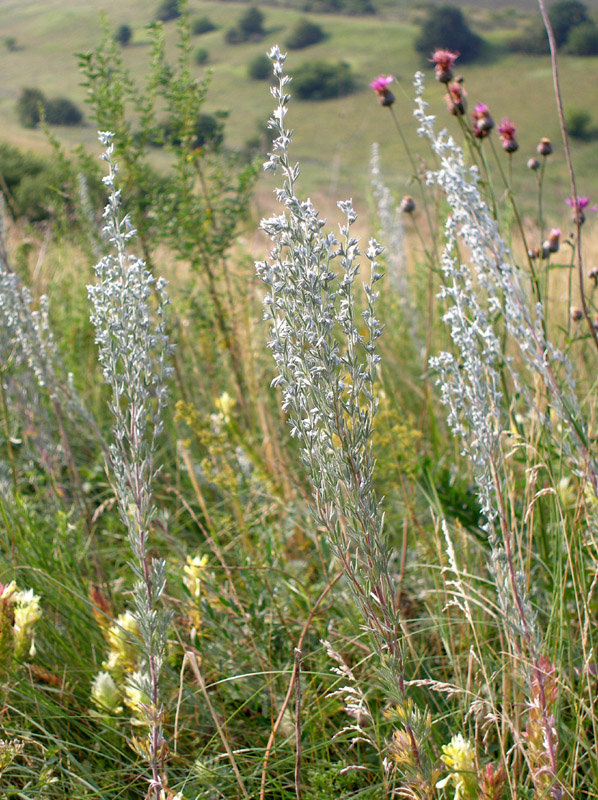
(288, 514)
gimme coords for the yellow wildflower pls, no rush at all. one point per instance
(459, 756)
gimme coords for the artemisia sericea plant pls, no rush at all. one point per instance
(134, 353)
(325, 354)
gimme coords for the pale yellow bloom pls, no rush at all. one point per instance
(123, 652)
(225, 405)
(459, 756)
(136, 698)
(193, 570)
(105, 694)
(27, 611)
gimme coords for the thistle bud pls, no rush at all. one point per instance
(576, 314)
(407, 204)
(533, 164)
(545, 147)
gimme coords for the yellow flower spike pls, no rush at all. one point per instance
(123, 651)
(26, 611)
(225, 405)
(135, 698)
(459, 757)
(105, 694)
(193, 570)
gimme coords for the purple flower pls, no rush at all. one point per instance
(380, 86)
(582, 202)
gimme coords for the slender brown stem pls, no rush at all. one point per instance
(298, 723)
(578, 218)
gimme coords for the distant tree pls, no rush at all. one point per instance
(321, 80)
(577, 121)
(208, 132)
(259, 68)
(10, 42)
(303, 34)
(348, 7)
(583, 40)
(249, 28)
(251, 24)
(202, 25)
(28, 107)
(533, 41)
(201, 56)
(565, 15)
(62, 111)
(167, 10)
(445, 27)
(123, 35)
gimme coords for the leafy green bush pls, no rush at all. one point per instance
(168, 10)
(578, 122)
(28, 107)
(249, 28)
(446, 27)
(322, 80)
(565, 15)
(583, 40)
(533, 41)
(123, 34)
(201, 56)
(62, 111)
(349, 7)
(259, 68)
(303, 34)
(202, 25)
(57, 110)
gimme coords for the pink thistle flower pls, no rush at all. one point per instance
(456, 99)
(482, 121)
(444, 61)
(582, 202)
(380, 86)
(507, 131)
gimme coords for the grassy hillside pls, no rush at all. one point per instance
(334, 137)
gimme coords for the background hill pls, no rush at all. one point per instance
(334, 137)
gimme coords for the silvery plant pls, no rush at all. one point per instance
(478, 289)
(326, 360)
(28, 348)
(134, 354)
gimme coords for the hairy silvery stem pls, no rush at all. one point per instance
(133, 353)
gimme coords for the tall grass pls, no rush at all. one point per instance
(367, 569)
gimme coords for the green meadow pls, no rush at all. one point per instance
(334, 137)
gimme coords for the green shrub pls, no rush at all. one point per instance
(533, 41)
(201, 56)
(123, 35)
(303, 34)
(209, 132)
(348, 7)
(249, 28)
(578, 122)
(583, 40)
(565, 15)
(10, 42)
(168, 10)
(57, 110)
(321, 80)
(62, 111)
(446, 27)
(259, 68)
(16, 164)
(202, 25)
(28, 107)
